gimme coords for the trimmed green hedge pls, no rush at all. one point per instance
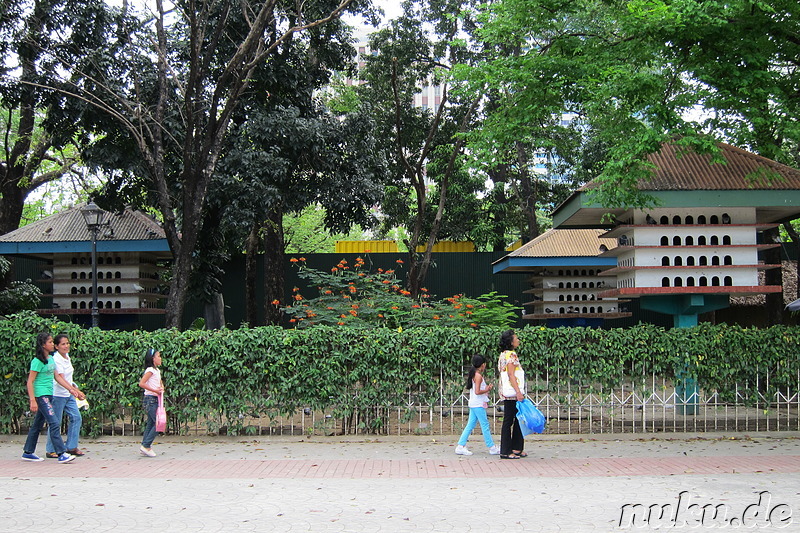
(228, 375)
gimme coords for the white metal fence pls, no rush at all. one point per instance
(649, 404)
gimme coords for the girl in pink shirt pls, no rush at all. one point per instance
(153, 388)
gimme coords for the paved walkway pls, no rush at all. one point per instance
(408, 484)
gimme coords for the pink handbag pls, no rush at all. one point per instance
(161, 415)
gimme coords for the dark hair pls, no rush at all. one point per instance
(506, 340)
(148, 357)
(60, 337)
(41, 354)
(477, 361)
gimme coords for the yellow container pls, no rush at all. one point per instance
(450, 246)
(363, 247)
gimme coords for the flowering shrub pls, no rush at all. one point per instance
(353, 296)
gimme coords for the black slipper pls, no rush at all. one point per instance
(509, 456)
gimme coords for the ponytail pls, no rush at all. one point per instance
(477, 362)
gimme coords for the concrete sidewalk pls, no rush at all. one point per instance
(407, 484)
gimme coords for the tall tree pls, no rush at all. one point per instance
(41, 41)
(188, 70)
(286, 159)
(631, 72)
(426, 143)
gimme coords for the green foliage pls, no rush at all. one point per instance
(356, 297)
(305, 232)
(635, 74)
(225, 376)
(20, 295)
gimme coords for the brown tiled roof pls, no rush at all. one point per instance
(678, 168)
(69, 225)
(565, 243)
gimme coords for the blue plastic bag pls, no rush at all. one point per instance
(531, 419)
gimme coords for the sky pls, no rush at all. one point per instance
(391, 10)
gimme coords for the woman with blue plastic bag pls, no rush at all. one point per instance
(512, 390)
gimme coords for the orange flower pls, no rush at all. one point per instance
(354, 306)
(302, 259)
(342, 316)
(329, 291)
(405, 292)
(354, 312)
(423, 289)
(340, 323)
(470, 306)
(436, 317)
(352, 289)
(292, 320)
(386, 282)
(276, 302)
(293, 260)
(295, 289)
(334, 270)
(331, 308)
(380, 315)
(474, 325)
(399, 261)
(415, 306)
(298, 297)
(395, 307)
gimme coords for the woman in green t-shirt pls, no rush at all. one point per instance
(40, 393)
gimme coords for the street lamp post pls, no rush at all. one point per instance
(93, 216)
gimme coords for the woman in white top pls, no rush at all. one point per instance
(478, 402)
(512, 378)
(151, 383)
(64, 401)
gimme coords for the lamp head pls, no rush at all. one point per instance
(92, 215)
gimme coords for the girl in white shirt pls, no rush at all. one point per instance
(478, 402)
(64, 400)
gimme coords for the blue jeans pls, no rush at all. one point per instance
(150, 404)
(46, 413)
(66, 404)
(477, 414)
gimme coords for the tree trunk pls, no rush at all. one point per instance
(251, 267)
(528, 195)
(214, 312)
(273, 265)
(181, 269)
(12, 202)
(499, 217)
